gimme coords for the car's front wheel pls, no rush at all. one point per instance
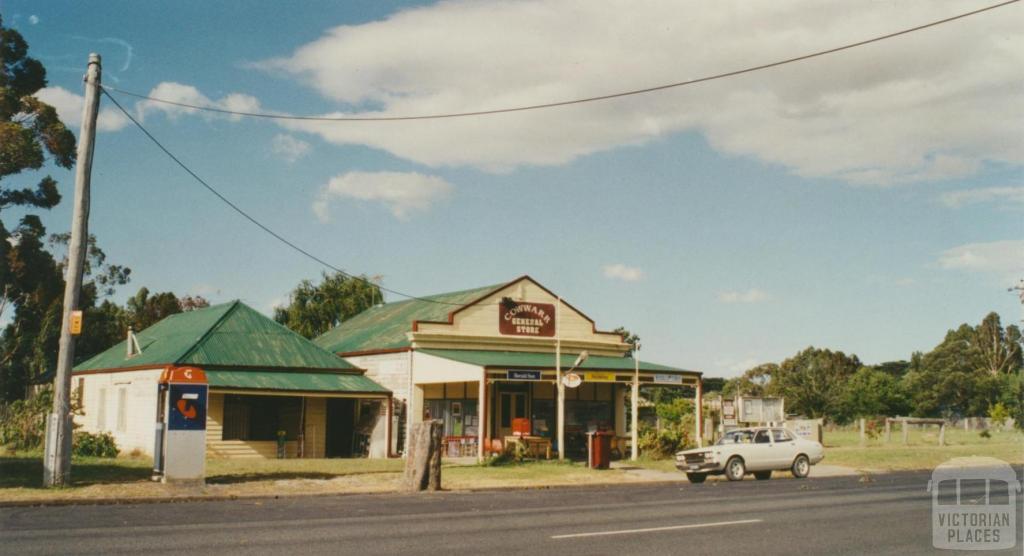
(762, 475)
(735, 469)
(696, 478)
(801, 467)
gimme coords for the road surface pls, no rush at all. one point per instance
(835, 515)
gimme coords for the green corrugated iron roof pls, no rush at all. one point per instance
(385, 327)
(294, 381)
(227, 335)
(519, 359)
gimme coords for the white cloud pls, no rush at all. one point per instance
(1002, 257)
(401, 192)
(1011, 195)
(187, 94)
(289, 147)
(752, 295)
(33, 19)
(69, 107)
(932, 105)
(623, 272)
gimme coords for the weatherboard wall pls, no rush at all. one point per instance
(122, 404)
(476, 326)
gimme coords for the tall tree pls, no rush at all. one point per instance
(955, 378)
(754, 382)
(31, 280)
(871, 392)
(812, 381)
(999, 348)
(316, 308)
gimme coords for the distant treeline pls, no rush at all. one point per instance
(975, 371)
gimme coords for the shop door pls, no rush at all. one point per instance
(341, 414)
(511, 405)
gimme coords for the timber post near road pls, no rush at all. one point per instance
(423, 464)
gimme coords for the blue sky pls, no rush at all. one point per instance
(866, 201)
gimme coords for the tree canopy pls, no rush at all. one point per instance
(316, 308)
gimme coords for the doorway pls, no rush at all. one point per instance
(341, 415)
(511, 405)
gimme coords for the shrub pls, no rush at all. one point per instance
(23, 422)
(663, 444)
(985, 434)
(100, 445)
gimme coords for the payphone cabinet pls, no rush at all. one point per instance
(181, 452)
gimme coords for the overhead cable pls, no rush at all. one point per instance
(564, 102)
(256, 222)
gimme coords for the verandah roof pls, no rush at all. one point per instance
(525, 360)
(346, 383)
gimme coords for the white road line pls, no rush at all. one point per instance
(653, 529)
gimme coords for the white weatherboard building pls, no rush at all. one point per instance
(263, 378)
(483, 361)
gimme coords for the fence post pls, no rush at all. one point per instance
(888, 430)
(903, 426)
(863, 438)
(942, 434)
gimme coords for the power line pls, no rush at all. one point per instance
(566, 102)
(259, 224)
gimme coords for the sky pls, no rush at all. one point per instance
(865, 201)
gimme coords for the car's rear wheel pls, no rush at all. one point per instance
(801, 467)
(697, 478)
(735, 469)
(762, 475)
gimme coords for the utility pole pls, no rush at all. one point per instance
(57, 459)
(559, 387)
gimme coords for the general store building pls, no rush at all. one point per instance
(483, 360)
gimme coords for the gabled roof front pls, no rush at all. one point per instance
(386, 327)
(227, 336)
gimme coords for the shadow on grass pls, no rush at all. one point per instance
(27, 472)
(275, 476)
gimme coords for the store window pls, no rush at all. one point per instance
(260, 417)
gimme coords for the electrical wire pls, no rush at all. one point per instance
(256, 222)
(564, 102)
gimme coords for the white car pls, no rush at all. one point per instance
(759, 450)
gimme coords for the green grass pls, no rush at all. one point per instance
(842, 447)
(25, 470)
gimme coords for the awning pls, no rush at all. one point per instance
(524, 360)
(340, 383)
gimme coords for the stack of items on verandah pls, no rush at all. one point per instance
(265, 381)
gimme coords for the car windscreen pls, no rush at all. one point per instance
(737, 437)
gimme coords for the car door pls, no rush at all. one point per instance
(783, 448)
(759, 453)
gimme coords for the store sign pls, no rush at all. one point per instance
(599, 377)
(526, 319)
(668, 379)
(523, 375)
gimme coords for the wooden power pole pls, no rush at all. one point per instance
(57, 459)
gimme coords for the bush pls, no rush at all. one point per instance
(100, 445)
(663, 444)
(23, 422)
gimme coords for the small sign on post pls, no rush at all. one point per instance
(76, 323)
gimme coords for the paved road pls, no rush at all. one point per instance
(836, 515)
